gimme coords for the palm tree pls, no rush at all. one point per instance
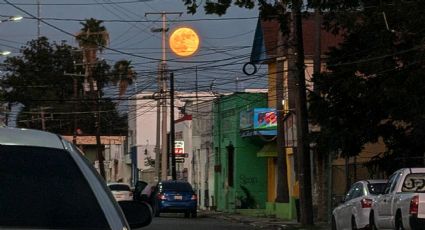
(123, 74)
(93, 37)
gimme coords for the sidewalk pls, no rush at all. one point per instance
(268, 223)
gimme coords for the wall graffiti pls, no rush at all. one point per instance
(248, 180)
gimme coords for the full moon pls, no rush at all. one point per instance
(184, 41)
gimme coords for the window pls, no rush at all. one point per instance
(176, 186)
(414, 182)
(230, 164)
(350, 193)
(44, 188)
(119, 187)
(376, 188)
(390, 182)
(355, 191)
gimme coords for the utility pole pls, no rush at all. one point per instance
(282, 194)
(172, 129)
(91, 86)
(38, 19)
(162, 79)
(43, 122)
(303, 147)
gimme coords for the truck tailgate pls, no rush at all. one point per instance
(421, 208)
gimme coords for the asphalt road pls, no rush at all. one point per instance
(178, 222)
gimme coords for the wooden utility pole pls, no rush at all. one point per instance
(162, 80)
(303, 144)
(282, 194)
(94, 92)
(172, 129)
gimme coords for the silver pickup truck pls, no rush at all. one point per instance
(402, 206)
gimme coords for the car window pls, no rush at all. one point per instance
(358, 190)
(414, 182)
(392, 188)
(172, 186)
(390, 182)
(119, 187)
(44, 188)
(376, 188)
(350, 193)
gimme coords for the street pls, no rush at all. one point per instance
(178, 222)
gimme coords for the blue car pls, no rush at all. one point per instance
(175, 197)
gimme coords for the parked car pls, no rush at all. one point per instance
(353, 212)
(144, 191)
(47, 183)
(402, 205)
(121, 191)
(175, 196)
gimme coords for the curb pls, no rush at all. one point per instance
(262, 222)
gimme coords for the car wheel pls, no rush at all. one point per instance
(353, 223)
(194, 214)
(372, 225)
(333, 223)
(186, 214)
(398, 222)
(157, 212)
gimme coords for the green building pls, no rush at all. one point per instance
(240, 176)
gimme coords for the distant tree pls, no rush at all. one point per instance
(37, 81)
(123, 74)
(375, 86)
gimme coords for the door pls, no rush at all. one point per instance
(385, 203)
(343, 212)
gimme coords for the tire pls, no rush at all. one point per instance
(353, 223)
(156, 212)
(333, 223)
(372, 225)
(398, 222)
(186, 214)
(194, 214)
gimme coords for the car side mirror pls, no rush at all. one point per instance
(138, 214)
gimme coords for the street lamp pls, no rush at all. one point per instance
(4, 52)
(9, 19)
(12, 19)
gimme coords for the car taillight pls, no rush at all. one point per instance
(194, 197)
(130, 194)
(161, 197)
(414, 205)
(366, 203)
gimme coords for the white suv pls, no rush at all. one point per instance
(46, 183)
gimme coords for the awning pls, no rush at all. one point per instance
(268, 150)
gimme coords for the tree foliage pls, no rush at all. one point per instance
(375, 85)
(38, 81)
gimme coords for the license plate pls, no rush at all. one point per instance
(178, 197)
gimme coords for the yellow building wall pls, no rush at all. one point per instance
(338, 167)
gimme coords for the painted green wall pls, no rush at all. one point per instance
(249, 170)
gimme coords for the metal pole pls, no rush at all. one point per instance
(172, 128)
